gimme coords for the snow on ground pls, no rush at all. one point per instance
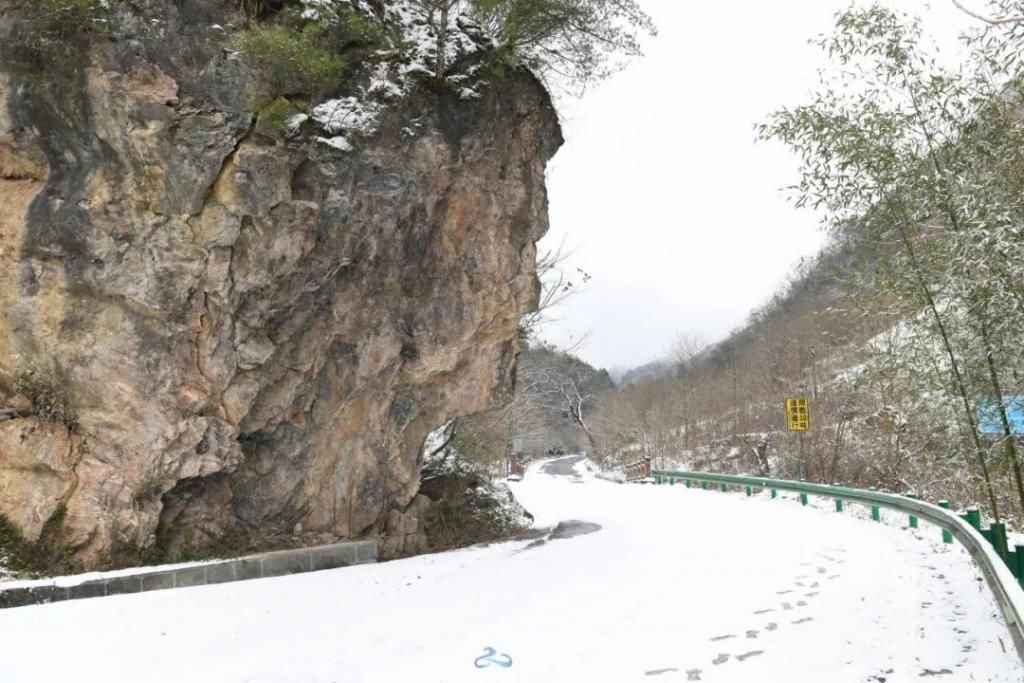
(676, 585)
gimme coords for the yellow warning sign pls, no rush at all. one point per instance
(798, 416)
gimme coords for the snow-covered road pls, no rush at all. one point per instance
(676, 585)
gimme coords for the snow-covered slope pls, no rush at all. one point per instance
(676, 585)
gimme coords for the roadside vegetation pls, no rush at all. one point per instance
(906, 332)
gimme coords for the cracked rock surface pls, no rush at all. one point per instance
(243, 331)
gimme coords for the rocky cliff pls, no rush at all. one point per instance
(213, 324)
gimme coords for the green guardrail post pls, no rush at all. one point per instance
(749, 492)
(876, 514)
(1013, 563)
(671, 481)
(947, 537)
(998, 533)
(973, 517)
(913, 519)
(775, 494)
(725, 488)
(687, 483)
(839, 501)
(1020, 563)
(704, 485)
(803, 498)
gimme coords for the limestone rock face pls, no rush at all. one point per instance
(211, 326)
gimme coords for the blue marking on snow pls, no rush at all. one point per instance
(488, 658)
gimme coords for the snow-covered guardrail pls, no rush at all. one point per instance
(1003, 568)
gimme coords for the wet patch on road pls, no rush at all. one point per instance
(567, 529)
(563, 467)
(573, 527)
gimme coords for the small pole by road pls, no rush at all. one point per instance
(800, 456)
(798, 419)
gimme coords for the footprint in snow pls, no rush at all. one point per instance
(787, 606)
(752, 633)
(803, 620)
(811, 594)
(658, 672)
(801, 603)
(764, 611)
(771, 626)
(693, 675)
(725, 637)
(748, 655)
(720, 659)
(782, 592)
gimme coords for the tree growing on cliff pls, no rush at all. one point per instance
(578, 41)
(289, 57)
(557, 285)
(439, 14)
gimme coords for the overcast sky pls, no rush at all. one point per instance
(662, 192)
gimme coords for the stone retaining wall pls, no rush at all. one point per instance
(264, 565)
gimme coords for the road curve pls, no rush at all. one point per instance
(642, 583)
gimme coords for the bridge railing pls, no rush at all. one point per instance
(1003, 568)
(638, 470)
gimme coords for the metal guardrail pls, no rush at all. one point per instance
(981, 547)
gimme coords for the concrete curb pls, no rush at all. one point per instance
(261, 566)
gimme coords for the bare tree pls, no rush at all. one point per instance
(687, 349)
(563, 384)
(557, 284)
